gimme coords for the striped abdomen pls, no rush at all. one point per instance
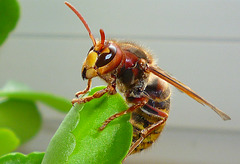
(159, 93)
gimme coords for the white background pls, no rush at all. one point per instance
(197, 41)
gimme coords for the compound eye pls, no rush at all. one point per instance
(105, 57)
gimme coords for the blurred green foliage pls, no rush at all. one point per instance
(19, 158)
(20, 118)
(9, 15)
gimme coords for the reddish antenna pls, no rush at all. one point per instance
(85, 23)
(102, 36)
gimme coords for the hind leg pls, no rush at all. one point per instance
(143, 134)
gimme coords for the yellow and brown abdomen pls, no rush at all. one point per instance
(159, 93)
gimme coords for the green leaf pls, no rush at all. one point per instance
(19, 113)
(9, 15)
(20, 116)
(18, 158)
(19, 91)
(8, 141)
(78, 139)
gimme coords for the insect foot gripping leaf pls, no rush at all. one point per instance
(79, 140)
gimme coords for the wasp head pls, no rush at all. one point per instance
(103, 57)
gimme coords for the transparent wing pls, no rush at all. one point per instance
(182, 87)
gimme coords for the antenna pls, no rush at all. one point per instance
(84, 23)
(102, 36)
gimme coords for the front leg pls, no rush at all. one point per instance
(110, 89)
(86, 90)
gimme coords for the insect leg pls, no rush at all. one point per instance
(129, 110)
(86, 90)
(144, 133)
(109, 89)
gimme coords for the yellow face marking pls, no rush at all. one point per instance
(91, 59)
(89, 64)
(90, 73)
